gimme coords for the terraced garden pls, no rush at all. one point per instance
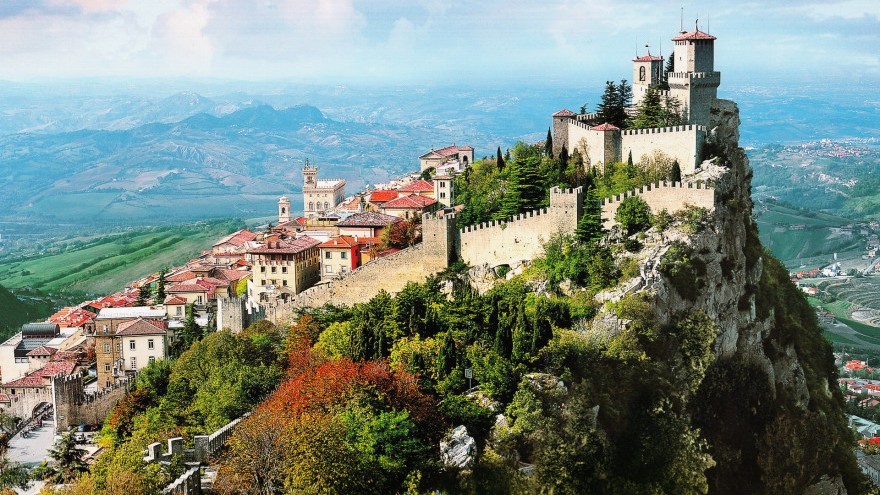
(861, 293)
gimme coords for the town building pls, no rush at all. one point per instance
(340, 255)
(443, 186)
(320, 196)
(109, 353)
(412, 206)
(283, 268)
(456, 158)
(14, 359)
(232, 247)
(379, 197)
(418, 186)
(144, 341)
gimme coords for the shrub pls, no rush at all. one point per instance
(633, 214)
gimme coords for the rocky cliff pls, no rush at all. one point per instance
(768, 404)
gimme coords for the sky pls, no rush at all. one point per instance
(426, 41)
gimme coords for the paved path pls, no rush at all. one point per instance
(33, 450)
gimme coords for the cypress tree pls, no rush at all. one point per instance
(548, 144)
(629, 159)
(606, 107)
(563, 157)
(499, 159)
(144, 295)
(446, 356)
(160, 288)
(675, 175)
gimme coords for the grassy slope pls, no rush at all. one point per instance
(811, 246)
(107, 264)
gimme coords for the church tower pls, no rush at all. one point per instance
(283, 210)
(694, 81)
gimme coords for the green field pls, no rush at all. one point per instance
(840, 309)
(106, 264)
(812, 246)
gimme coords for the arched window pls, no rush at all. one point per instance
(283, 210)
(326, 205)
(311, 206)
(642, 73)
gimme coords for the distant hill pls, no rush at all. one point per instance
(200, 167)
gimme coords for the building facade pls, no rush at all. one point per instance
(281, 269)
(319, 195)
(108, 345)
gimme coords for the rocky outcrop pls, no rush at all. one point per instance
(458, 450)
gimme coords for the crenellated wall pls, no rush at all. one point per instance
(73, 406)
(672, 196)
(683, 143)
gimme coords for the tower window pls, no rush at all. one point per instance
(642, 73)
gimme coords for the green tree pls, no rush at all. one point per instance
(68, 463)
(633, 214)
(144, 295)
(160, 288)
(589, 227)
(447, 357)
(607, 107)
(670, 66)
(12, 475)
(548, 144)
(499, 160)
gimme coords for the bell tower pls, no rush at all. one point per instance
(647, 72)
(283, 210)
(310, 175)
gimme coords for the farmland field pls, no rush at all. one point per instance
(107, 263)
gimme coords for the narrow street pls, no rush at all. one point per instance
(33, 450)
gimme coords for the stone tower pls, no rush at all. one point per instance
(310, 175)
(283, 210)
(647, 72)
(561, 119)
(694, 81)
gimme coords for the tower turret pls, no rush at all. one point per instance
(647, 72)
(694, 81)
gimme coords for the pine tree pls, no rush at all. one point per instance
(191, 331)
(675, 175)
(589, 227)
(563, 157)
(606, 109)
(670, 66)
(69, 463)
(499, 159)
(548, 144)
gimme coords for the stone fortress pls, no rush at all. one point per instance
(693, 83)
(521, 238)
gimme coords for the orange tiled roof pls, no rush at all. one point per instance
(418, 186)
(382, 195)
(37, 378)
(410, 202)
(694, 35)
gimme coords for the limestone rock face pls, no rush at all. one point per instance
(458, 450)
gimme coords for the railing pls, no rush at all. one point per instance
(189, 483)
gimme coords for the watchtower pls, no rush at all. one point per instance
(647, 72)
(310, 175)
(694, 81)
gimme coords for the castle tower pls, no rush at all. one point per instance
(694, 81)
(320, 196)
(647, 72)
(310, 175)
(283, 210)
(561, 120)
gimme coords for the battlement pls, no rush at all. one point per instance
(499, 223)
(669, 196)
(587, 117)
(581, 124)
(660, 130)
(695, 75)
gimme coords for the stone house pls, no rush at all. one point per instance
(340, 255)
(367, 224)
(413, 206)
(283, 268)
(108, 346)
(143, 342)
(456, 157)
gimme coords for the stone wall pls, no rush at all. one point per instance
(73, 406)
(672, 197)
(683, 143)
(590, 143)
(521, 238)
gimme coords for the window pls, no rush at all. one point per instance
(178, 311)
(131, 345)
(106, 348)
(343, 255)
(105, 328)
(327, 255)
(150, 344)
(262, 269)
(274, 269)
(442, 184)
(283, 269)
(152, 359)
(119, 347)
(642, 73)
(134, 365)
(442, 195)
(328, 269)
(107, 367)
(284, 282)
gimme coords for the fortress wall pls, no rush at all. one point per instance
(522, 237)
(672, 197)
(683, 143)
(390, 274)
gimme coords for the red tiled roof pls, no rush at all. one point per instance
(238, 238)
(448, 151)
(417, 186)
(175, 300)
(466, 148)
(213, 281)
(564, 113)
(187, 288)
(42, 351)
(37, 378)
(181, 277)
(343, 241)
(231, 275)
(605, 127)
(354, 204)
(382, 195)
(287, 247)
(301, 220)
(141, 326)
(694, 35)
(410, 202)
(71, 317)
(368, 219)
(5, 398)
(647, 58)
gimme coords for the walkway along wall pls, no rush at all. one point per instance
(672, 197)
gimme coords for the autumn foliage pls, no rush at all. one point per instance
(334, 427)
